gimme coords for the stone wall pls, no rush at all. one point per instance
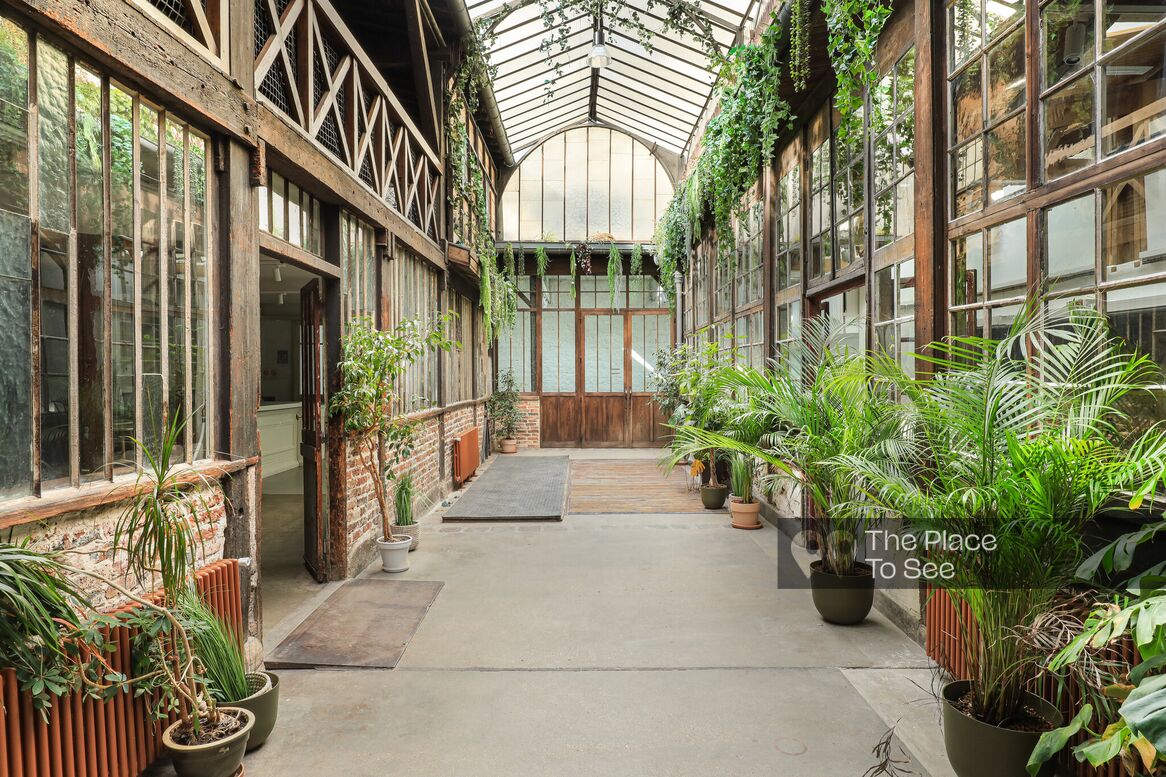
(86, 540)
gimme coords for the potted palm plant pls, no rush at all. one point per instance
(403, 498)
(373, 364)
(745, 509)
(805, 414)
(1014, 448)
(502, 410)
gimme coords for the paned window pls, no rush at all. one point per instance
(290, 213)
(413, 291)
(515, 350)
(558, 335)
(893, 132)
(986, 102)
(359, 268)
(821, 202)
(894, 312)
(989, 279)
(119, 344)
(748, 271)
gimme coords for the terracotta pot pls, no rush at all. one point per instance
(842, 599)
(221, 758)
(713, 497)
(412, 531)
(977, 749)
(745, 516)
(509, 445)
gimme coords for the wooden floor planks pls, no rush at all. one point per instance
(629, 486)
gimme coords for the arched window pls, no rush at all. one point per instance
(588, 183)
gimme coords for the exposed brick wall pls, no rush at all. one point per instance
(86, 539)
(528, 428)
(432, 469)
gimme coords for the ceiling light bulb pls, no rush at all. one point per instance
(278, 273)
(599, 58)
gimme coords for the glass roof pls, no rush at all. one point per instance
(657, 95)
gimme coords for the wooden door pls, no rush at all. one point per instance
(605, 391)
(312, 429)
(647, 334)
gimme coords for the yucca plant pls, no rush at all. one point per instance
(741, 477)
(403, 500)
(1014, 440)
(802, 416)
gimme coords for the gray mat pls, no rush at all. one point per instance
(366, 623)
(516, 488)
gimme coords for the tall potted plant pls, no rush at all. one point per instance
(404, 497)
(374, 361)
(1013, 443)
(746, 510)
(502, 410)
(802, 417)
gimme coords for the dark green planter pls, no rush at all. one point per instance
(977, 749)
(842, 599)
(713, 497)
(214, 759)
(263, 704)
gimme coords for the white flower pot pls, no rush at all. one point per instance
(394, 553)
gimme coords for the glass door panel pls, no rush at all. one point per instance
(603, 354)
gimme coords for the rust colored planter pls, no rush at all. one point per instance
(745, 516)
(509, 445)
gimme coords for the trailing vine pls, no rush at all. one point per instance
(799, 45)
(571, 269)
(853, 28)
(541, 260)
(614, 274)
(636, 267)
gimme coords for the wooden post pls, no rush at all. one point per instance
(930, 173)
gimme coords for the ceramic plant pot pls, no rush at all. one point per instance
(509, 445)
(412, 531)
(221, 758)
(395, 553)
(713, 497)
(745, 516)
(978, 749)
(842, 599)
(263, 703)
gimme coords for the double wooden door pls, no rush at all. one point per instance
(615, 358)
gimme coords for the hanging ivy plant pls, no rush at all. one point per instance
(799, 43)
(614, 275)
(636, 267)
(541, 260)
(571, 270)
(521, 259)
(853, 28)
(508, 261)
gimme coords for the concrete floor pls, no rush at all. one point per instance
(285, 582)
(645, 646)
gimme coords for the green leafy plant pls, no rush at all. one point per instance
(853, 28)
(541, 260)
(806, 422)
(1013, 440)
(403, 495)
(741, 477)
(614, 276)
(502, 406)
(694, 390)
(373, 363)
(636, 266)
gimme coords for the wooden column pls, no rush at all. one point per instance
(336, 532)
(930, 174)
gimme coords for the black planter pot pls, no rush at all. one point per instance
(842, 599)
(977, 749)
(713, 497)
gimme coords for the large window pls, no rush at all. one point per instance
(558, 335)
(290, 213)
(358, 267)
(118, 342)
(989, 279)
(986, 93)
(893, 148)
(821, 212)
(413, 291)
(460, 360)
(516, 351)
(894, 312)
(750, 233)
(1115, 77)
(586, 183)
(850, 201)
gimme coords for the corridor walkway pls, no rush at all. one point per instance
(637, 645)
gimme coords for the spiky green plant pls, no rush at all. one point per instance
(1019, 440)
(541, 260)
(403, 500)
(741, 477)
(221, 662)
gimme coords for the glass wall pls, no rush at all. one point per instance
(290, 213)
(586, 183)
(358, 269)
(413, 290)
(120, 344)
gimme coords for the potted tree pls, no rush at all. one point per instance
(502, 410)
(1013, 443)
(745, 509)
(373, 364)
(802, 417)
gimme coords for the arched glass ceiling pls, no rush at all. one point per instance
(657, 95)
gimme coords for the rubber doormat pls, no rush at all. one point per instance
(365, 624)
(515, 488)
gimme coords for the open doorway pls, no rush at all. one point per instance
(290, 436)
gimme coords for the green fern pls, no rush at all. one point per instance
(637, 263)
(508, 260)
